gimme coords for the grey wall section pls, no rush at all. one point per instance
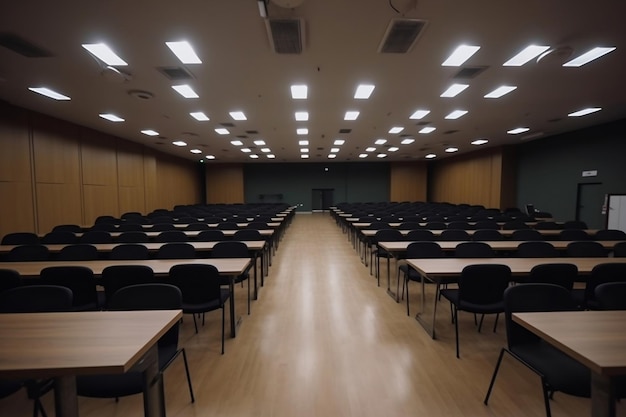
(352, 182)
(549, 170)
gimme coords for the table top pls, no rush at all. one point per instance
(519, 266)
(495, 244)
(225, 266)
(590, 232)
(45, 345)
(595, 338)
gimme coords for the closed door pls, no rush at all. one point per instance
(589, 208)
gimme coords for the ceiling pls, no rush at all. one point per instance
(241, 71)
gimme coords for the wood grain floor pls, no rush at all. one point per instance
(324, 340)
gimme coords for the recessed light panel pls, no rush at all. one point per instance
(179, 143)
(518, 130)
(332, 155)
(185, 90)
(430, 156)
(238, 115)
(454, 90)
(396, 129)
(304, 150)
(452, 149)
(479, 141)
(266, 150)
(259, 142)
(303, 142)
(419, 114)
(302, 116)
(351, 115)
(299, 91)
(222, 131)
(362, 155)
(427, 129)
(380, 141)
(254, 156)
(270, 156)
(302, 131)
(456, 114)
(585, 112)
(334, 150)
(199, 116)
(111, 117)
(528, 53)
(49, 93)
(589, 56)
(184, 52)
(364, 91)
(393, 149)
(339, 142)
(150, 132)
(407, 141)
(500, 91)
(460, 55)
(381, 155)
(195, 151)
(246, 150)
(304, 156)
(104, 54)
(210, 157)
(236, 142)
(370, 149)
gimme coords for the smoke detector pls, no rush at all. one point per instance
(140, 94)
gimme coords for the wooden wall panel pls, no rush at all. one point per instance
(177, 182)
(130, 164)
(58, 204)
(56, 151)
(150, 181)
(408, 181)
(16, 210)
(224, 183)
(98, 160)
(100, 200)
(132, 199)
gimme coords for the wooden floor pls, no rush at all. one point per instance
(324, 340)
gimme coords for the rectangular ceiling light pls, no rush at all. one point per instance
(185, 90)
(195, 151)
(270, 156)
(427, 129)
(351, 115)
(380, 141)
(104, 54)
(303, 142)
(419, 114)
(199, 116)
(479, 141)
(210, 157)
(332, 156)
(179, 143)
(304, 150)
(238, 115)
(184, 52)
(111, 117)
(254, 156)
(48, 93)
(407, 141)
(589, 56)
(454, 90)
(381, 155)
(362, 155)
(456, 114)
(528, 53)
(302, 116)
(222, 131)
(334, 150)
(452, 149)
(299, 91)
(517, 130)
(396, 129)
(266, 150)
(150, 132)
(370, 149)
(304, 156)
(246, 150)
(393, 149)
(500, 91)
(364, 91)
(430, 156)
(236, 142)
(302, 131)
(585, 112)
(259, 142)
(339, 142)
(460, 55)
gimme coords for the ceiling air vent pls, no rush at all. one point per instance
(21, 46)
(449, 132)
(286, 35)
(252, 132)
(227, 124)
(401, 35)
(175, 73)
(469, 72)
(344, 131)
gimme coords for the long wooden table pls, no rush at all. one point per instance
(64, 345)
(228, 267)
(445, 270)
(594, 338)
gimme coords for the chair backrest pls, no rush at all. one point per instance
(574, 224)
(459, 225)
(387, 235)
(230, 249)
(547, 225)
(600, 274)
(228, 226)
(527, 234)
(79, 279)
(198, 283)
(536, 249)
(104, 227)
(20, 238)
(515, 225)
(34, 252)
(177, 250)
(487, 235)
(130, 226)
(424, 249)
(248, 234)
(532, 298)
(586, 249)
(420, 235)
(106, 219)
(115, 277)
(9, 278)
(162, 227)
(36, 299)
(609, 234)
(562, 274)
(573, 234)
(197, 226)
(59, 237)
(130, 251)
(257, 225)
(486, 224)
(409, 226)
(473, 250)
(619, 250)
(611, 296)
(96, 236)
(436, 225)
(74, 228)
(211, 236)
(80, 252)
(172, 236)
(483, 283)
(133, 237)
(454, 234)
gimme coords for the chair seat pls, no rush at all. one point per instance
(453, 296)
(410, 273)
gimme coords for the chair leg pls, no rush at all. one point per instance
(493, 377)
(194, 322)
(546, 399)
(248, 295)
(223, 328)
(480, 324)
(406, 284)
(495, 323)
(456, 329)
(193, 399)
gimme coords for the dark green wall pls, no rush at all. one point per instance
(352, 182)
(549, 170)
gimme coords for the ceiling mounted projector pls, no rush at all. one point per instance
(289, 4)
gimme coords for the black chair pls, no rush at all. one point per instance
(420, 235)
(9, 278)
(234, 249)
(562, 274)
(177, 250)
(201, 288)
(600, 274)
(139, 297)
(211, 236)
(609, 234)
(248, 234)
(473, 250)
(162, 227)
(573, 234)
(130, 251)
(454, 235)
(80, 252)
(20, 238)
(619, 250)
(436, 225)
(23, 253)
(424, 250)
(228, 226)
(459, 225)
(59, 237)
(172, 236)
(409, 226)
(575, 224)
(96, 236)
(376, 253)
(115, 277)
(558, 371)
(74, 228)
(487, 235)
(527, 234)
(196, 226)
(536, 249)
(611, 296)
(480, 291)
(487, 224)
(586, 249)
(133, 237)
(515, 225)
(129, 226)
(258, 225)
(104, 227)
(79, 279)
(106, 219)
(547, 225)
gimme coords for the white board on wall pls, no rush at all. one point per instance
(617, 212)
